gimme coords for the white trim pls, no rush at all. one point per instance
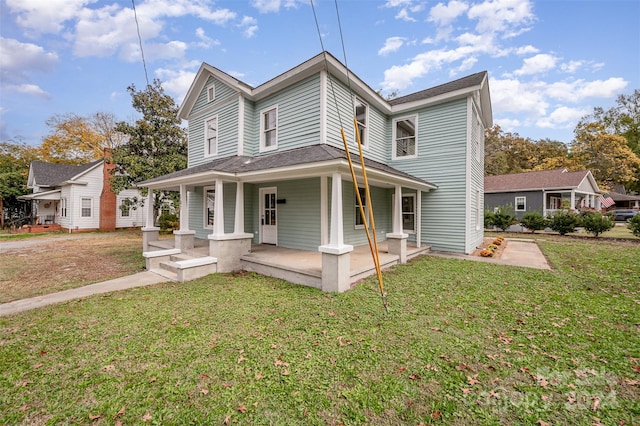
(468, 245)
(363, 140)
(240, 124)
(263, 112)
(261, 207)
(394, 147)
(205, 210)
(323, 106)
(418, 218)
(211, 92)
(415, 214)
(82, 198)
(207, 152)
(324, 219)
(524, 203)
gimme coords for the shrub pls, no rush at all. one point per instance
(534, 221)
(488, 219)
(634, 225)
(596, 223)
(563, 222)
(168, 221)
(503, 217)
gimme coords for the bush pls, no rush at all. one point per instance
(488, 219)
(503, 217)
(596, 223)
(168, 221)
(534, 221)
(634, 225)
(563, 222)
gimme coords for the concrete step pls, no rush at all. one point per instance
(173, 276)
(170, 266)
(181, 256)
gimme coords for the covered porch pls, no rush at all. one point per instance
(570, 199)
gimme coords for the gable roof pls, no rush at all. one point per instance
(616, 196)
(45, 174)
(308, 155)
(337, 70)
(540, 180)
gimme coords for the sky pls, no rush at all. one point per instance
(549, 62)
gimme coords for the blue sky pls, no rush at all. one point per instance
(550, 62)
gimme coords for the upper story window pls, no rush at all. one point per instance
(211, 136)
(362, 117)
(404, 138)
(269, 129)
(211, 92)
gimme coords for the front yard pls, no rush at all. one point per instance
(464, 342)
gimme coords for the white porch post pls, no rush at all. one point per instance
(418, 218)
(573, 200)
(544, 203)
(149, 232)
(218, 210)
(238, 226)
(324, 219)
(397, 240)
(184, 237)
(336, 264)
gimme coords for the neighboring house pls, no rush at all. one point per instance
(79, 198)
(621, 199)
(546, 191)
(267, 166)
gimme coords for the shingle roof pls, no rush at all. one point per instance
(531, 181)
(615, 196)
(297, 156)
(53, 174)
(461, 83)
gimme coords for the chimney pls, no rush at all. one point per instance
(108, 202)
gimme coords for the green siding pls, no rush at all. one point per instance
(196, 209)
(382, 203)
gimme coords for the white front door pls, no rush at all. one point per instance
(268, 216)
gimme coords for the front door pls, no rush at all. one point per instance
(268, 216)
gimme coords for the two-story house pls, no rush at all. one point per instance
(268, 170)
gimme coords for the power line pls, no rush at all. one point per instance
(144, 63)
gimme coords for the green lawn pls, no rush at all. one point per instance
(464, 343)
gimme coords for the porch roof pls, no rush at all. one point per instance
(43, 195)
(311, 160)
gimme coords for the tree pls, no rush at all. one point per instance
(607, 156)
(534, 221)
(564, 222)
(78, 140)
(596, 223)
(634, 225)
(15, 158)
(156, 145)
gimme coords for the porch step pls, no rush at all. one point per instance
(188, 268)
(170, 266)
(181, 256)
(165, 273)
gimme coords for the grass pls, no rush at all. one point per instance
(464, 342)
(6, 236)
(39, 269)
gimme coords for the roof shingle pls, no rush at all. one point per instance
(530, 181)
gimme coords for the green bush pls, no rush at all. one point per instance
(596, 223)
(534, 221)
(168, 221)
(634, 225)
(488, 219)
(503, 217)
(564, 223)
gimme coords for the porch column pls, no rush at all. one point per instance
(573, 200)
(228, 249)
(149, 231)
(336, 258)
(419, 219)
(397, 240)
(184, 237)
(544, 203)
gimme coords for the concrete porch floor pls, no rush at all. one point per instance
(301, 266)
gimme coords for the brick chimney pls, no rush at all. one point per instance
(108, 202)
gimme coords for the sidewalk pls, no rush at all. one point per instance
(137, 280)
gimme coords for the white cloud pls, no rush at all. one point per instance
(514, 96)
(403, 15)
(508, 124)
(205, 40)
(466, 65)
(249, 26)
(443, 14)
(579, 90)
(266, 6)
(562, 117)
(537, 64)
(526, 50)
(45, 16)
(392, 44)
(27, 89)
(18, 60)
(176, 81)
(510, 17)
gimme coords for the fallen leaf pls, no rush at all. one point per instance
(436, 415)
(242, 408)
(241, 359)
(152, 380)
(226, 385)
(37, 365)
(94, 416)
(494, 394)
(414, 376)
(466, 390)
(119, 423)
(109, 367)
(541, 423)
(280, 363)
(401, 369)
(258, 376)
(119, 413)
(227, 420)
(472, 380)
(635, 368)
(24, 408)
(285, 372)
(146, 417)
(273, 346)
(595, 404)
(204, 391)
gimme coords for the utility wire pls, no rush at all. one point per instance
(144, 63)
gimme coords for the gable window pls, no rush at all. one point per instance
(521, 204)
(269, 129)
(211, 136)
(404, 138)
(362, 117)
(85, 207)
(359, 223)
(409, 213)
(211, 92)
(63, 207)
(209, 204)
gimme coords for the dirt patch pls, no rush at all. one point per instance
(60, 265)
(488, 241)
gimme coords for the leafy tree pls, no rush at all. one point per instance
(15, 158)
(156, 145)
(607, 156)
(596, 223)
(502, 217)
(564, 222)
(534, 221)
(78, 140)
(634, 225)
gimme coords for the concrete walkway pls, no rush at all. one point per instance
(137, 280)
(518, 252)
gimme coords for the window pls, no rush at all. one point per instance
(63, 207)
(211, 136)
(362, 116)
(85, 207)
(269, 132)
(209, 205)
(409, 213)
(521, 204)
(125, 209)
(211, 92)
(404, 138)
(363, 197)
